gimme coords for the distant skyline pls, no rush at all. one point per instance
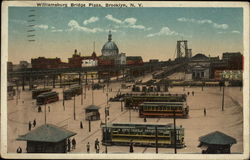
(148, 32)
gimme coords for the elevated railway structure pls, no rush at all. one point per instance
(29, 74)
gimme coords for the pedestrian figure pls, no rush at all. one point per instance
(69, 146)
(19, 150)
(145, 120)
(131, 148)
(34, 123)
(97, 144)
(39, 109)
(193, 93)
(88, 147)
(205, 112)
(30, 125)
(81, 126)
(73, 143)
(49, 108)
(97, 149)
(188, 93)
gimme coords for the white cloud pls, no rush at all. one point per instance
(203, 21)
(57, 30)
(111, 18)
(42, 26)
(220, 26)
(164, 31)
(90, 20)
(237, 32)
(131, 21)
(126, 23)
(75, 26)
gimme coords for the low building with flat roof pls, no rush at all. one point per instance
(47, 138)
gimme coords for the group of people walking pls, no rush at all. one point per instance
(190, 93)
(97, 146)
(73, 142)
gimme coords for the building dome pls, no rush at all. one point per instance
(110, 48)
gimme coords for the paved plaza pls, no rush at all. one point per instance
(229, 121)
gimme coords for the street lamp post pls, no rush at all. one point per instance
(81, 95)
(130, 112)
(45, 118)
(92, 89)
(175, 149)
(106, 147)
(89, 124)
(223, 95)
(107, 94)
(63, 100)
(156, 140)
(74, 107)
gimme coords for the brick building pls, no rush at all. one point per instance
(134, 60)
(46, 63)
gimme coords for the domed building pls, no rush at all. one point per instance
(110, 53)
(110, 48)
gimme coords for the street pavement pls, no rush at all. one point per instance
(229, 121)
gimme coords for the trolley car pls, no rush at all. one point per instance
(142, 135)
(36, 92)
(133, 101)
(71, 92)
(47, 97)
(163, 109)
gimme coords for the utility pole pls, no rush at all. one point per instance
(175, 150)
(16, 92)
(106, 147)
(92, 89)
(202, 86)
(156, 140)
(130, 112)
(223, 94)
(107, 94)
(63, 98)
(81, 95)
(74, 107)
(89, 125)
(45, 112)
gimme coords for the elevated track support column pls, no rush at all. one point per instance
(29, 82)
(60, 75)
(80, 81)
(23, 82)
(54, 79)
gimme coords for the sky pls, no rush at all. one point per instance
(148, 32)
